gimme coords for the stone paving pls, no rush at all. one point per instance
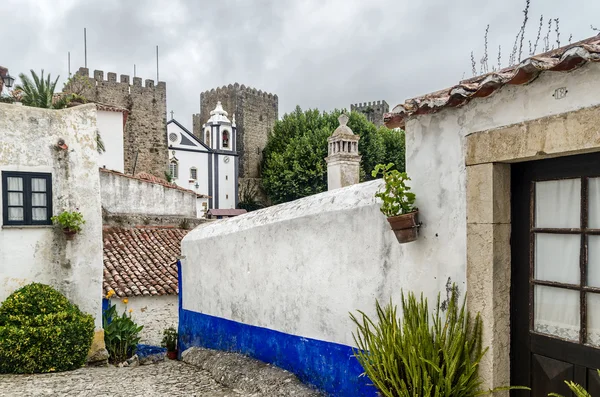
(168, 378)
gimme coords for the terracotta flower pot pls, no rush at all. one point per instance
(172, 355)
(69, 234)
(405, 226)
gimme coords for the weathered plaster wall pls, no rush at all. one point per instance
(125, 195)
(437, 152)
(155, 313)
(41, 253)
(305, 265)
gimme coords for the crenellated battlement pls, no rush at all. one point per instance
(364, 106)
(238, 88)
(111, 78)
(374, 111)
(145, 144)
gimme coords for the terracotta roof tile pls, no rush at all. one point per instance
(141, 261)
(562, 59)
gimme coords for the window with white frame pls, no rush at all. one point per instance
(26, 198)
(193, 173)
(174, 169)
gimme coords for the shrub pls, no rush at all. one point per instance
(121, 333)
(170, 339)
(41, 331)
(414, 356)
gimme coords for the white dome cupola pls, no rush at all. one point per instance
(219, 132)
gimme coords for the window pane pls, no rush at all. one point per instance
(594, 203)
(15, 183)
(39, 214)
(593, 319)
(15, 198)
(15, 214)
(38, 185)
(556, 312)
(557, 257)
(557, 204)
(38, 199)
(593, 269)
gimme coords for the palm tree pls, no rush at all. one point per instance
(39, 92)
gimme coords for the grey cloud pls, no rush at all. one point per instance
(325, 54)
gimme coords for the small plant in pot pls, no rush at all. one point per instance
(170, 342)
(398, 203)
(70, 222)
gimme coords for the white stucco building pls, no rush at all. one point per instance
(111, 125)
(211, 168)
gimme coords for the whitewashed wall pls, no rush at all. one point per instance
(155, 313)
(227, 182)
(125, 195)
(307, 263)
(41, 253)
(110, 126)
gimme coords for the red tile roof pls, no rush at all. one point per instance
(562, 59)
(141, 261)
(226, 212)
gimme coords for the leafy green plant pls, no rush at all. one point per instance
(37, 91)
(41, 331)
(69, 220)
(422, 354)
(121, 333)
(168, 177)
(170, 339)
(577, 389)
(396, 196)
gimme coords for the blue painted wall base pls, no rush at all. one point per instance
(330, 367)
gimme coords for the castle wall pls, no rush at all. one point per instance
(374, 111)
(255, 114)
(144, 134)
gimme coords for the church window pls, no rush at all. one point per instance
(226, 139)
(207, 139)
(174, 169)
(172, 137)
(193, 173)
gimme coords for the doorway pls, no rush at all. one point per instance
(555, 273)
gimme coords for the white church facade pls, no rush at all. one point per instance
(209, 167)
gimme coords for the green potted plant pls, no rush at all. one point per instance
(170, 342)
(398, 203)
(70, 222)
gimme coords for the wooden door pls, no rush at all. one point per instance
(555, 294)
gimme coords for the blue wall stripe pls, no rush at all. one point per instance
(328, 366)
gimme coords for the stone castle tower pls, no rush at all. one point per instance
(145, 142)
(255, 114)
(373, 110)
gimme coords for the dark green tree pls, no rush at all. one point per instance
(294, 159)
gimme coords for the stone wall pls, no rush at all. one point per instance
(41, 253)
(374, 111)
(145, 130)
(255, 114)
(155, 313)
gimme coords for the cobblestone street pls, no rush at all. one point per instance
(169, 378)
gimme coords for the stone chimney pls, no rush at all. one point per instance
(343, 160)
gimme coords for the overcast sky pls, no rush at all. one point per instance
(322, 54)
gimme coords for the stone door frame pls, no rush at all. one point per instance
(488, 157)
